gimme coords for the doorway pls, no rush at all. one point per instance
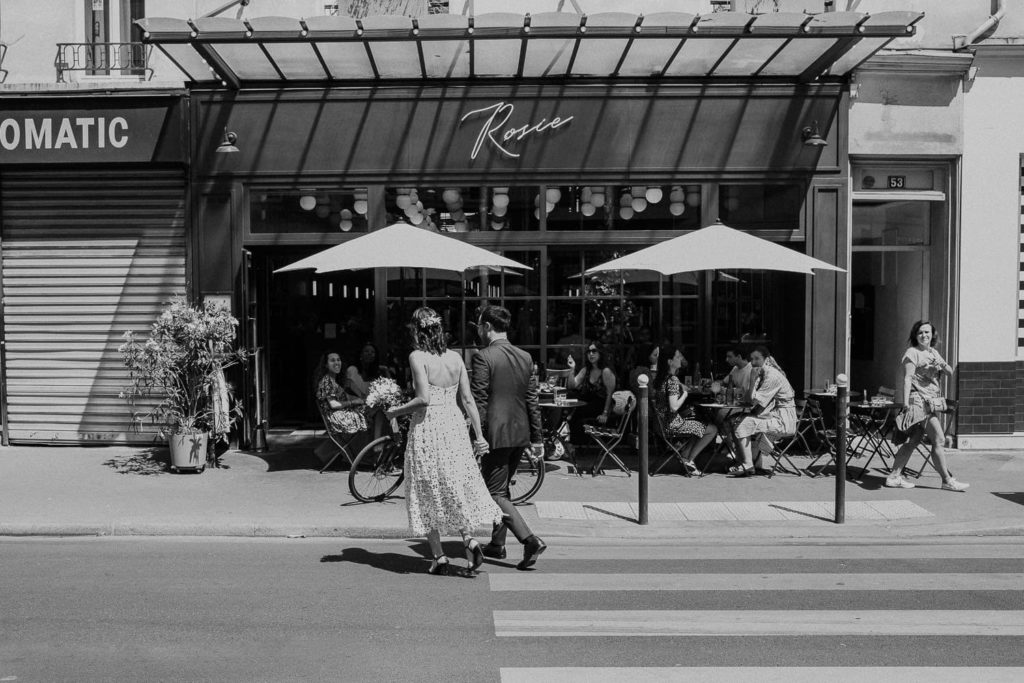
(301, 316)
(897, 278)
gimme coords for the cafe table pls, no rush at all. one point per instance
(726, 415)
(874, 422)
(557, 416)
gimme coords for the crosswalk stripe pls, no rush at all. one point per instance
(545, 623)
(774, 674)
(746, 582)
(684, 551)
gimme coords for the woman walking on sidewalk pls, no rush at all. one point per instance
(443, 486)
(922, 399)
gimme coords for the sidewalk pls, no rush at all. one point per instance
(117, 490)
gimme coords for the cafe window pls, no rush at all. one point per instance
(463, 209)
(760, 207)
(308, 210)
(621, 207)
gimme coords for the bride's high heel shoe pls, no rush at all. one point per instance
(440, 566)
(474, 553)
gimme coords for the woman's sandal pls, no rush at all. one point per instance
(690, 468)
(441, 566)
(741, 471)
(474, 553)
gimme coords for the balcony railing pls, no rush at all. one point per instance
(104, 59)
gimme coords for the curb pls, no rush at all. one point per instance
(692, 531)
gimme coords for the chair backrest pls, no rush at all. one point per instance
(629, 406)
(620, 400)
(558, 378)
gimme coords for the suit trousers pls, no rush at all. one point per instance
(498, 466)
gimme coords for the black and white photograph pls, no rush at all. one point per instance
(517, 341)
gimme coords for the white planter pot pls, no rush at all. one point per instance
(188, 451)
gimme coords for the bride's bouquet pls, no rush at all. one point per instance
(384, 393)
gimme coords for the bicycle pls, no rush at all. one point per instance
(379, 469)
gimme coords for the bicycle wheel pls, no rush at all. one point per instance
(527, 479)
(377, 470)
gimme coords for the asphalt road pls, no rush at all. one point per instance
(169, 609)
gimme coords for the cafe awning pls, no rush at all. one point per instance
(327, 50)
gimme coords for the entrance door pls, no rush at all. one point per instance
(302, 317)
(895, 282)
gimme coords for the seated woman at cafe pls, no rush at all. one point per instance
(594, 385)
(343, 413)
(774, 411)
(358, 377)
(646, 364)
(680, 424)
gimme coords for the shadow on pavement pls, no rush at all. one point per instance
(1014, 496)
(799, 512)
(151, 461)
(391, 562)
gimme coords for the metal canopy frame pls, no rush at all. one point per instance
(269, 51)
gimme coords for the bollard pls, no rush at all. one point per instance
(842, 397)
(642, 381)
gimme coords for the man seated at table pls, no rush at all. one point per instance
(739, 377)
(739, 383)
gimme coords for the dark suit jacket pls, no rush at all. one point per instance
(506, 395)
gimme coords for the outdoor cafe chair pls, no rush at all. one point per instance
(826, 438)
(769, 446)
(666, 446)
(800, 440)
(608, 439)
(340, 441)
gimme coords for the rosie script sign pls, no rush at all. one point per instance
(497, 133)
(80, 135)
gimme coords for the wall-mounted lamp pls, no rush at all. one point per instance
(227, 143)
(812, 137)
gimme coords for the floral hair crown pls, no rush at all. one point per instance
(430, 320)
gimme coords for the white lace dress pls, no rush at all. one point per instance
(443, 486)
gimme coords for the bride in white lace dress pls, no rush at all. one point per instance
(444, 490)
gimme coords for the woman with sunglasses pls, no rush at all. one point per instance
(594, 385)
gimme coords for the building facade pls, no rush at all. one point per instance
(562, 140)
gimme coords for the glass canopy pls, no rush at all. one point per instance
(277, 51)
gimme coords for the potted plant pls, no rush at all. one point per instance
(176, 378)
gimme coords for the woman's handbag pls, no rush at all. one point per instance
(937, 404)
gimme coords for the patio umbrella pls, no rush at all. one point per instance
(403, 246)
(716, 247)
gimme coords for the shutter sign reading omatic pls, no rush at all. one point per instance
(86, 256)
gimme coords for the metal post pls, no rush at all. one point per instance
(842, 391)
(642, 380)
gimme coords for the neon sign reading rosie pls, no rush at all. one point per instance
(498, 115)
(80, 132)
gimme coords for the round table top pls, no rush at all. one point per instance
(568, 403)
(873, 405)
(723, 405)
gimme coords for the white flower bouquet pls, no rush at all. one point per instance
(383, 393)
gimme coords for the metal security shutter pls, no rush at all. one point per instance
(86, 255)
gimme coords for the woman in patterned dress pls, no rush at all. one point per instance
(774, 410)
(445, 491)
(669, 396)
(344, 412)
(922, 368)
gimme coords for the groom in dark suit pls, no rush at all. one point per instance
(506, 396)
